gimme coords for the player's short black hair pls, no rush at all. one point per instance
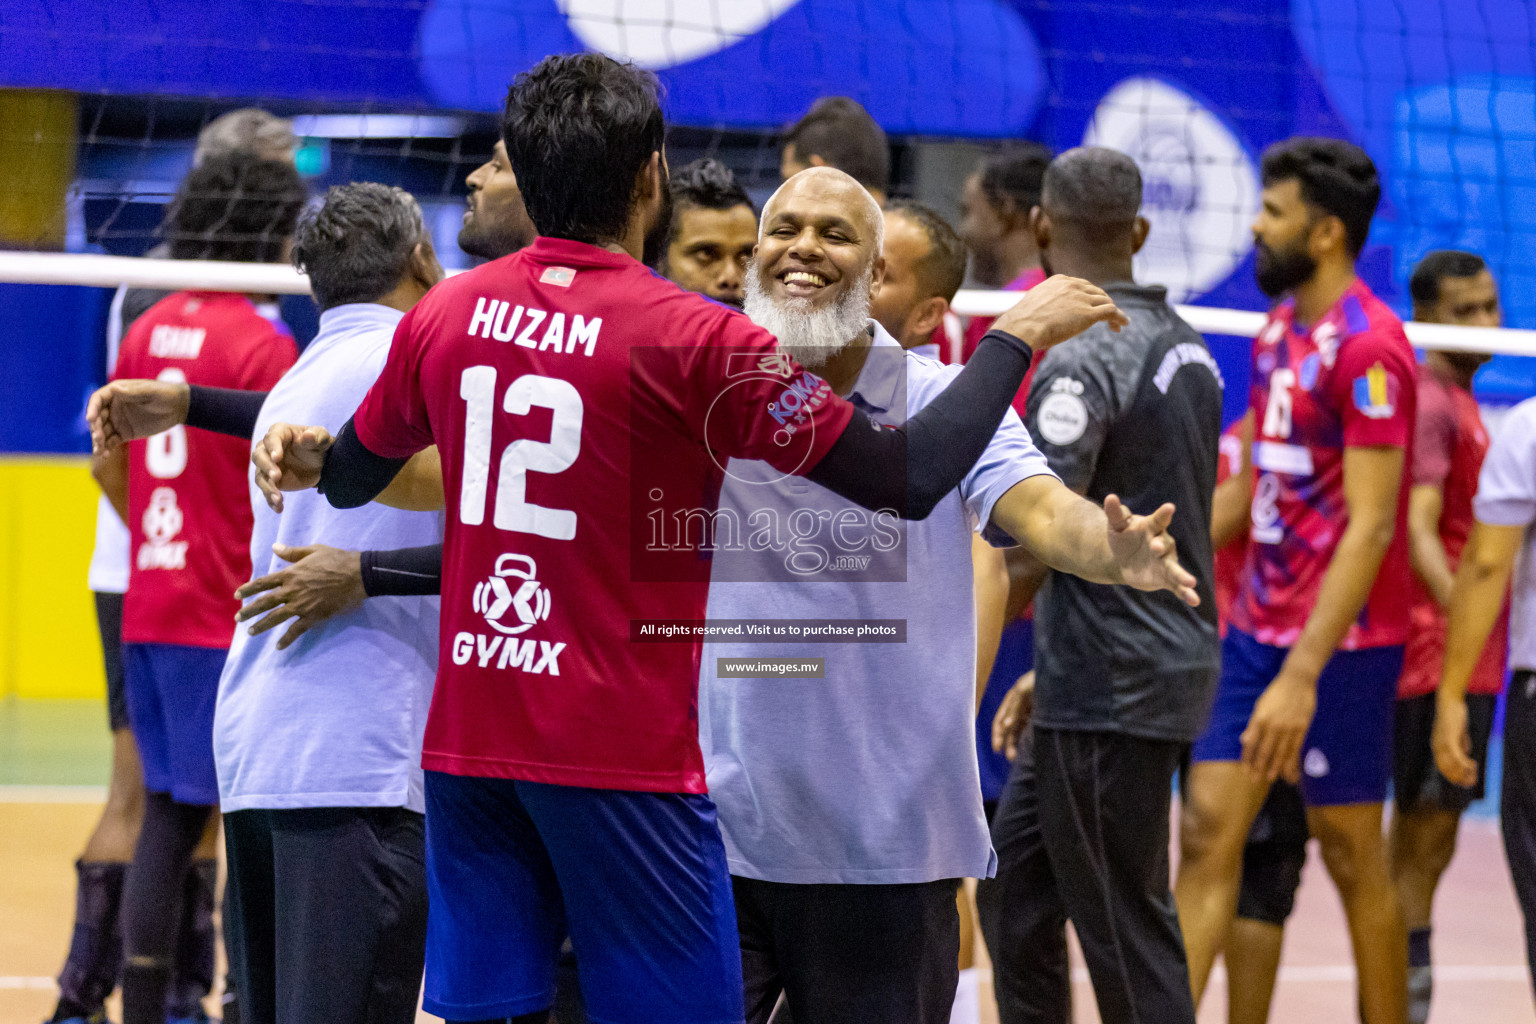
(1335, 176)
(942, 269)
(1015, 173)
(1095, 187)
(235, 207)
(710, 184)
(842, 133)
(357, 244)
(579, 128)
(1436, 266)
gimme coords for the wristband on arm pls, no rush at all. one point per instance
(403, 571)
(224, 410)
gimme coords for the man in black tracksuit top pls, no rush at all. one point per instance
(1124, 679)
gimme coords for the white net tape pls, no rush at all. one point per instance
(278, 279)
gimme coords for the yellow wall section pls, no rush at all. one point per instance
(49, 646)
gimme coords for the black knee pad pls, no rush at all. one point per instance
(1271, 876)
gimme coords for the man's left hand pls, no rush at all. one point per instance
(322, 582)
(1145, 553)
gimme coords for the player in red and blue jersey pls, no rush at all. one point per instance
(584, 409)
(1315, 640)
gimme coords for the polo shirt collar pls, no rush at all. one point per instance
(882, 380)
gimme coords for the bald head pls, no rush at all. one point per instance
(1093, 187)
(830, 187)
(818, 263)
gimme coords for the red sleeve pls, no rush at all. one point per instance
(752, 401)
(1434, 435)
(392, 421)
(1374, 385)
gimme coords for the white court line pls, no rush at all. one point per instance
(27, 983)
(1315, 973)
(53, 794)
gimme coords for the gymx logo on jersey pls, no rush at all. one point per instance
(162, 522)
(510, 612)
(494, 598)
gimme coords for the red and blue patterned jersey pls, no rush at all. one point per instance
(1348, 382)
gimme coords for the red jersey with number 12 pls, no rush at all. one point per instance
(1349, 381)
(584, 409)
(188, 507)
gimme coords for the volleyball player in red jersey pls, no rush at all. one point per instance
(1449, 445)
(565, 787)
(190, 540)
(1315, 637)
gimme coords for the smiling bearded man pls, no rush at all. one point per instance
(848, 794)
(787, 298)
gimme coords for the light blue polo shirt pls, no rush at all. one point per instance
(335, 720)
(867, 775)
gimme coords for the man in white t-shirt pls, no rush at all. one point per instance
(317, 734)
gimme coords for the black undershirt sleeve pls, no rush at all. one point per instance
(352, 476)
(910, 468)
(224, 410)
(403, 571)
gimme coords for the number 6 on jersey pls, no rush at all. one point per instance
(477, 387)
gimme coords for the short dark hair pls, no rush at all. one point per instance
(1436, 266)
(1016, 173)
(1335, 176)
(235, 207)
(579, 128)
(357, 244)
(842, 133)
(942, 270)
(1093, 186)
(710, 184)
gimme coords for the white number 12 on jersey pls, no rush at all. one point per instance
(478, 389)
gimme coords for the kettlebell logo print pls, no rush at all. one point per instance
(508, 610)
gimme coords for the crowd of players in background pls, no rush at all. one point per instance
(1345, 513)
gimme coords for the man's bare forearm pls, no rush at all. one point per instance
(1481, 582)
(1069, 533)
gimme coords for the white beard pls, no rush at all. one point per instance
(812, 336)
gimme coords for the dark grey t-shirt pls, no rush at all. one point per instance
(1135, 414)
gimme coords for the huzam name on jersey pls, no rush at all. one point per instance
(499, 320)
(535, 656)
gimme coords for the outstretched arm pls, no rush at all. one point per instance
(1069, 533)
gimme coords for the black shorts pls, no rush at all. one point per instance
(1416, 781)
(1274, 857)
(109, 620)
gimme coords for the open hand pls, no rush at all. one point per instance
(131, 410)
(1059, 308)
(289, 458)
(1145, 552)
(1013, 716)
(1452, 743)
(321, 582)
(1272, 742)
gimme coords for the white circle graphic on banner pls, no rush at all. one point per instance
(661, 33)
(1200, 190)
(1062, 418)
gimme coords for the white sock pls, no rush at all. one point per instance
(967, 1009)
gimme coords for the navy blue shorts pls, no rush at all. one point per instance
(171, 693)
(638, 880)
(1346, 757)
